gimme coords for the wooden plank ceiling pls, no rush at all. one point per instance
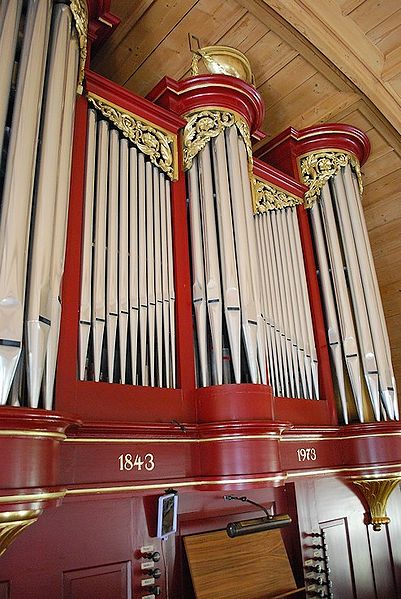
(314, 62)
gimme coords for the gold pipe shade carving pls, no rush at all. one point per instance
(79, 11)
(269, 197)
(12, 523)
(205, 124)
(158, 144)
(318, 167)
(376, 492)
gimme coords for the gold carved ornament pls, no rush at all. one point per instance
(203, 125)
(159, 145)
(222, 60)
(318, 167)
(376, 491)
(269, 197)
(12, 523)
(79, 11)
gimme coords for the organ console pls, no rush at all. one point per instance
(157, 267)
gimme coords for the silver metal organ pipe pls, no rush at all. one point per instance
(123, 257)
(329, 306)
(150, 253)
(17, 189)
(99, 257)
(60, 217)
(274, 377)
(277, 304)
(112, 251)
(142, 280)
(372, 295)
(368, 357)
(307, 309)
(254, 265)
(10, 13)
(198, 272)
(298, 316)
(38, 317)
(171, 283)
(232, 309)
(248, 307)
(165, 279)
(349, 340)
(211, 260)
(289, 291)
(158, 277)
(85, 312)
(134, 310)
(282, 286)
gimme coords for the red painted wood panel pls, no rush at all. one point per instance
(111, 581)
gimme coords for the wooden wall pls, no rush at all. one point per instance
(313, 62)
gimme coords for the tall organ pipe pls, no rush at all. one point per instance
(60, 217)
(158, 277)
(248, 307)
(349, 339)
(165, 279)
(372, 295)
(17, 189)
(133, 261)
(112, 251)
(171, 282)
(254, 264)
(198, 271)
(150, 253)
(123, 257)
(368, 357)
(85, 318)
(232, 309)
(142, 281)
(38, 308)
(333, 329)
(99, 256)
(10, 13)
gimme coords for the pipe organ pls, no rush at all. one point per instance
(183, 305)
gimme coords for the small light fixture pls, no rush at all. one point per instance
(247, 527)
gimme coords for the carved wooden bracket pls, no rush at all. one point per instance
(376, 492)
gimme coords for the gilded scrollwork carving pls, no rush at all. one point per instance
(158, 144)
(376, 492)
(269, 197)
(318, 167)
(79, 11)
(203, 125)
(12, 523)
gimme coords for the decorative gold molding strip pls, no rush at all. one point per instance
(12, 523)
(30, 433)
(158, 144)
(318, 167)
(207, 123)
(376, 492)
(269, 197)
(79, 11)
(263, 437)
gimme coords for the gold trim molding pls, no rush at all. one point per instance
(79, 11)
(318, 167)
(376, 491)
(207, 123)
(269, 197)
(12, 523)
(158, 144)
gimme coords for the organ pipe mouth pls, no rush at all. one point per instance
(253, 525)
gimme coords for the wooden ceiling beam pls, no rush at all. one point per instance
(338, 40)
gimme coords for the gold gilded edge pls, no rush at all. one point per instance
(268, 196)
(32, 497)
(317, 167)
(29, 433)
(203, 440)
(79, 9)
(154, 141)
